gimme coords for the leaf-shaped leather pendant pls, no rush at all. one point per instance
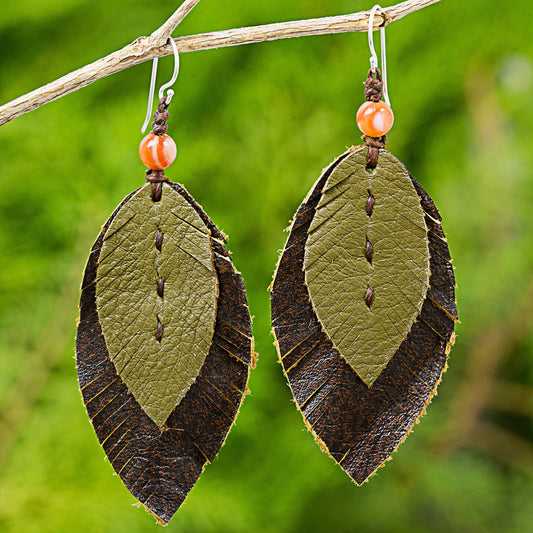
(164, 344)
(363, 308)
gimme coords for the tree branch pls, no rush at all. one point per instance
(145, 48)
(161, 35)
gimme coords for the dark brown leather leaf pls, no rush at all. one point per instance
(358, 425)
(159, 466)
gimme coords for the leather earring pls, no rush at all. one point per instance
(164, 343)
(363, 299)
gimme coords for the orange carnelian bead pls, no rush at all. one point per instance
(157, 151)
(374, 118)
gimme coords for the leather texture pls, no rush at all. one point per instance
(338, 273)
(357, 425)
(159, 466)
(157, 372)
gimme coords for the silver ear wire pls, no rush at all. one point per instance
(374, 56)
(170, 92)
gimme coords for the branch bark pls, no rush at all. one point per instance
(162, 34)
(146, 48)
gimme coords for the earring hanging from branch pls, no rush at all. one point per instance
(145, 48)
(164, 344)
(363, 303)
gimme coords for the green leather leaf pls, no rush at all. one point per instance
(340, 269)
(157, 372)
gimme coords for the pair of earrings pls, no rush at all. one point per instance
(363, 313)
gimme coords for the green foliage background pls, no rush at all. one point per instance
(255, 125)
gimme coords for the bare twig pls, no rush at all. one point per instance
(161, 35)
(145, 48)
(298, 28)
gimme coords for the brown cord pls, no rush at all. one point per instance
(374, 144)
(374, 93)
(374, 86)
(159, 125)
(156, 178)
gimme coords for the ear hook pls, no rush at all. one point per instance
(170, 92)
(374, 56)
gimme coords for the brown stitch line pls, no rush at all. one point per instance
(370, 204)
(159, 332)
(373, 93)
(158, 239)
(382, 328)
(156, 176)
(369, 297)
(160, 281)
(369, 250)
(160, 287)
